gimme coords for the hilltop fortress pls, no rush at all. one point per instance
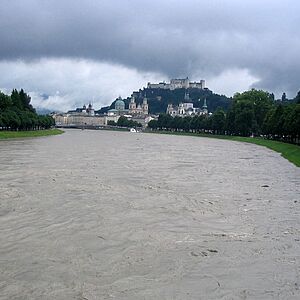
(172, 98)
(177, 84)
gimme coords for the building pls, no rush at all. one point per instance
(85, 116)
(186, 108)
(119, 109)
(83, 111)
(138, 109)
(134, 109)
(177, 84)
(70, 120)
(204, 107)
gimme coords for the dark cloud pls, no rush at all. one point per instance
(171, 37)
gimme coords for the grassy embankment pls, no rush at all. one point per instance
(25, 134)
(289, 151)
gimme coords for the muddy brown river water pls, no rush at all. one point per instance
(119, 215)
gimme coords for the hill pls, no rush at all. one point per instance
(158, 99)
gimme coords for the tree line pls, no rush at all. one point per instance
(124, 122)
(252, 113)
(16, 113)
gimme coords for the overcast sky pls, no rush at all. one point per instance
(70, 52)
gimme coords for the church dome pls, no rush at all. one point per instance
(120, 104)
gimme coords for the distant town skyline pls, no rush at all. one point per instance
(68, 53)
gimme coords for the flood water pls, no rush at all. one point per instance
(119, 215)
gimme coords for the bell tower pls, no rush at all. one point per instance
(186, 96)
(204, 107)
(145, 106)
(132, 105)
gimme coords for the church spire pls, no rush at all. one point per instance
(186, 96)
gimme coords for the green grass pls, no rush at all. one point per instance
(25, 134)
(289, 151)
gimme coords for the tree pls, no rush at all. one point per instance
(248, 112)
(164, 121)
(297, 98)
(153, 124)
(218, 121)
(1, 121)
(25, 101)
(177, 123)
(124, 122)
(292, 122)
(17, 113)
(16, 100)
(26, 122)
(13, 120)
(111, 123)
(244, 119)
(5, 102)
(274, 120)
(186, 123)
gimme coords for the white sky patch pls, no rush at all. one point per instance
(231, 81)
(63, 84)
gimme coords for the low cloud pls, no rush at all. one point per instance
(63, 84)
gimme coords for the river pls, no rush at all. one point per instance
(119, 215)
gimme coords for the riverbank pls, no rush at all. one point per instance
(288, 151)
(25, 134)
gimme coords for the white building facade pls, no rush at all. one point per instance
(186, 109)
